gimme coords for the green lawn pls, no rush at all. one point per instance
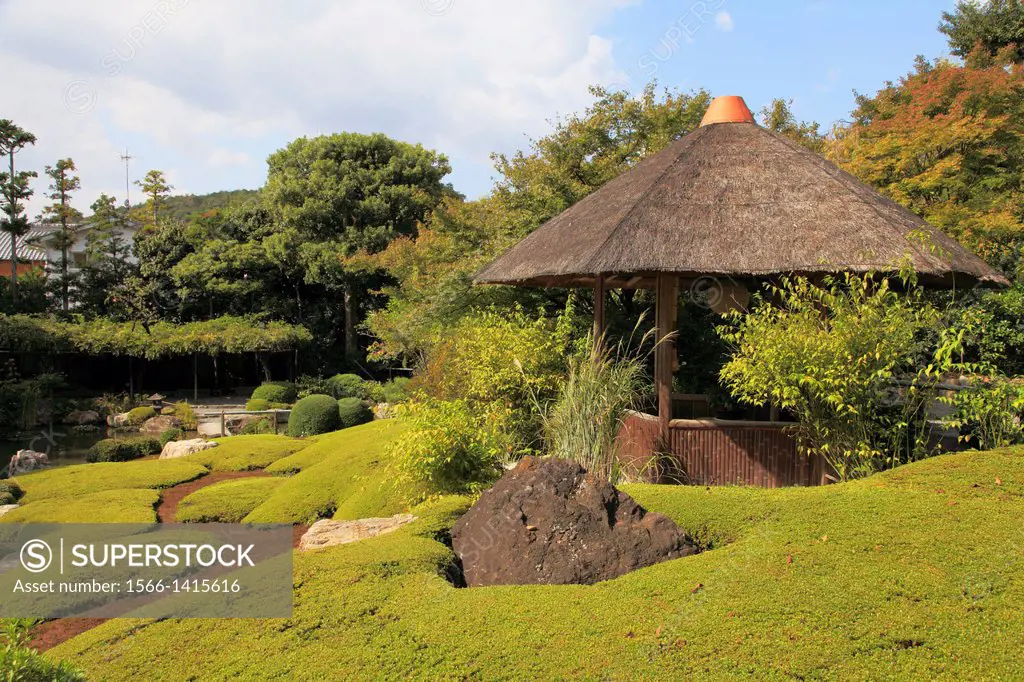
(907, 575)
(226, 502)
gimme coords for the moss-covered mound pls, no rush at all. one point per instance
(247, 453)
(908, 575)
(139, 415)
(107, 506)
(342, 475)
(83, 479)
(226, 502)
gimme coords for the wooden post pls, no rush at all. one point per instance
(223, 426)
(598, 309)
(275, 422)
(664, 358)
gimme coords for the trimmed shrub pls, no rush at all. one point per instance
(397, 390)
(276, 392)
(261, 405)
(186, 415)
(346, 386)
(139, 415)
(169, 435)
(373, 391)
(452, 445)
(313, 415)
(354, 412)
(10, 492)
(122, 450)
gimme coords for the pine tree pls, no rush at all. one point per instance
(15, 191)
(63, 216)
(107, 255)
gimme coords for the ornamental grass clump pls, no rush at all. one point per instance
(583, 423)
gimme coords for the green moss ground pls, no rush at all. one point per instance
(226, 502)
(108, 506)
(342, 475)
(247, 453)
(914, 574)
(83, 479)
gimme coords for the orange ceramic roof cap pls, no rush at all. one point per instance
(727, 109)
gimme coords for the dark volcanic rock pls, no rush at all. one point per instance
(550, 522)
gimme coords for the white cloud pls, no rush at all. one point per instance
(209, 89)
(724, 22)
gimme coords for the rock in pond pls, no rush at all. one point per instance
(157, 425)
(181, 448)
(327, 532)
(117, 420)
(25, 461)
(548, 521)
(82, 417)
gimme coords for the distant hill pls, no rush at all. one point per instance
(185, 206)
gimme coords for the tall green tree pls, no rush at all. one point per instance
(157, 189)
(15, 191)
(991, 25)
(779, 117)
(61, 214)
(584, 151)
(107, 258)
(349, 192)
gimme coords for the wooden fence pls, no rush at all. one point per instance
(717, 452)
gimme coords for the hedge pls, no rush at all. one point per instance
(228, 334)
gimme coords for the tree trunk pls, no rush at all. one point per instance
(14, 240)
(351, 346)
(264, 365)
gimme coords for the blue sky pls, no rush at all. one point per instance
(206, 89)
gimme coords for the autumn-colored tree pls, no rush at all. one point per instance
(947, 141)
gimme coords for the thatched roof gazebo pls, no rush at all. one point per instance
(735, 201)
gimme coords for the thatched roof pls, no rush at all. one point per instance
(737, 200)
